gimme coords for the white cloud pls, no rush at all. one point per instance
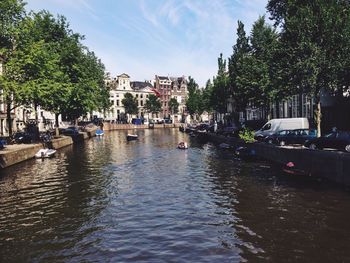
(148, 37)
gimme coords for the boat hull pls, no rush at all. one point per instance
(131, 137)
(45, 153)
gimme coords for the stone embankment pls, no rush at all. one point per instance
(333, 165)
(16, 153)
(114, 126)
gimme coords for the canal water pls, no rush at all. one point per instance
(109, 200)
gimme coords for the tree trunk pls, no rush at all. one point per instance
(318, 114)
(8, 116)
(36, 113)
(56, 124)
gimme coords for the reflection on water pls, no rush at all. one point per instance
(147, 201)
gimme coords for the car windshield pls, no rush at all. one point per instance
(266, 127)
(330, 135)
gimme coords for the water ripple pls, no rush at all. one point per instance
(109, 200)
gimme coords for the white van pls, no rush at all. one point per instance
(276, 125)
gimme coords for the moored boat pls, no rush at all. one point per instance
(225, 146)
(246, 153)
(45, 153)
(182, 145)
(131, 137)
(290, 168)
(99, 132)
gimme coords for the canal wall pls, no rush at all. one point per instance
(333, 165)
(17, 153)
(115, 126)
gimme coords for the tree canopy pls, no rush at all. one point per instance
(153, 104)
(130, 103)
(45, 64)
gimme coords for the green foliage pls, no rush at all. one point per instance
(174, 105)
(130, 103)
(314, 43)
(153, 104)
(238, 65)
(220, 89)
(247, 135)
(193, 100)
(11, 14)
(48, 65)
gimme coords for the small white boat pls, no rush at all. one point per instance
(182, 145)
(45, 153)
(99, 132)
(131, 137)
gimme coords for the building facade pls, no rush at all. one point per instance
(119, 86)
(172, 87)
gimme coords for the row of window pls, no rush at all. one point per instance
(169, 88)
(296, 106)
(116, 103)
(137, 96)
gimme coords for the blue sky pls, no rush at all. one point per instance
(144, 38)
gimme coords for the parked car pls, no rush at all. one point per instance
(146, 121)
(136, 121)
(336, 140)
(298, 136)
(168, 121)
(158, 121)
(275, 125)
(22, 137)
(230, 131)
(70, 131)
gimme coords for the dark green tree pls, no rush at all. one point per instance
(238, 67)
(220, 90)
(130, 103)
(314, 40)
(206, 96)
(174, 106)
(259, 82)
(193, 100)
(11, 14)
(153, 104)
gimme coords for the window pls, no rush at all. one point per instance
(141, 96)
(141, 103)
(137, 95)
(266, 127)
(117, 102)
(282, 132)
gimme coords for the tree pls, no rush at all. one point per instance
(260, 60)
(174, 105)
(193, 100)
(314, 40)
(220, 89)
(238, 64)
(130, 104)
(11, 14)
(206, 96)
(153, 104)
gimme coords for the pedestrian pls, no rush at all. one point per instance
(215, 126)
